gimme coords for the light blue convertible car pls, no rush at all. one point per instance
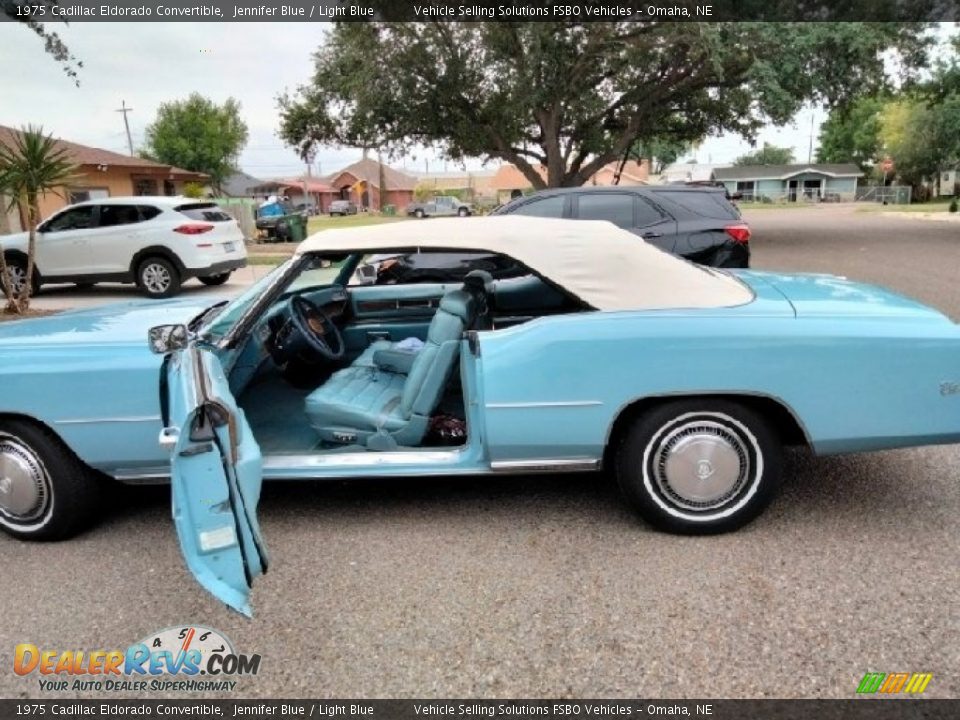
(581, 348)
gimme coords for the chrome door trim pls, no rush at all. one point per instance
(352, 460)
(545, 404)
(582, 464)
(87, 421)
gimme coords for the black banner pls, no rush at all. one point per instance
(859, 709)
(477, 10)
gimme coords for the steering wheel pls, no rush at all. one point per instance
(319, 331)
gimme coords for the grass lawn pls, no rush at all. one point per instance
(750, 206)
(272, 258)
(276, 253)
(325, 222)
(930, 207)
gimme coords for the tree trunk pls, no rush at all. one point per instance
(7, 286)
(33, 214)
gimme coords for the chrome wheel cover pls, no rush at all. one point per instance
(17, 276)
(24, 484)
(702, 466)
(155, 278)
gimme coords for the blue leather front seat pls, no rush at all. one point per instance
(381, 408)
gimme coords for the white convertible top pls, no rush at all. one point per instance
(606, 267)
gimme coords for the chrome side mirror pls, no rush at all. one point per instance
(165, 339)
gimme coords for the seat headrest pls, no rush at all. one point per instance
(478, 280)
(459, 303)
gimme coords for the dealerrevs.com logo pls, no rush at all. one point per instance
(189, 658)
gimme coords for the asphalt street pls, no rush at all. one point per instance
(549, 586)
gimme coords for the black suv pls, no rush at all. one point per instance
(696, 223)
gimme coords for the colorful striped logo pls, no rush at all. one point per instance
(892, 683)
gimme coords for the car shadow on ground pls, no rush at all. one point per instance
(845, 489)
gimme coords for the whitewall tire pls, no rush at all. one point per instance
(46, 493)
(699, 466)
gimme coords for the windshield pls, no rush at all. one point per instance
(311, 273)
(219, 323)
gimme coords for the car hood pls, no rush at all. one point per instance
(120, 323)
(816, 295)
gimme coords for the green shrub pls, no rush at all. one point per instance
(953, 205)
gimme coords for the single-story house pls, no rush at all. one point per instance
(811, 181)
(103, 173)
(360, 182)
(308, 190)
(509, 182)
(238, 185)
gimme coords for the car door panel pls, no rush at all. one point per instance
(391, 312)
(115, 242)
(216, 470)
(63, 245)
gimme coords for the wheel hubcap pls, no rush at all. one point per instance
(24, 485)
(17, 277)
(701, 464)
(156, 278)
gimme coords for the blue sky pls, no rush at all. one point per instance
(145, 64)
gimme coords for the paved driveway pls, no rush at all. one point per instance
(548, 586)
(61, 297)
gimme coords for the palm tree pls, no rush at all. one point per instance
(32, 166)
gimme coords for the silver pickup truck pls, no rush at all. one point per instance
(440, 205)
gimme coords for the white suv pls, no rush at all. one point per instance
(155, 242)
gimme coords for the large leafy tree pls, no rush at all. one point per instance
(32, 165)
(767, 155)
(852, 134)
(922, 137)
(197, 134)
(31, 15)
(575, 96)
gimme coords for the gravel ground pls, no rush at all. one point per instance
(549, 586)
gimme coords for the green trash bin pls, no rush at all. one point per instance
(298, 227)
(292, 228)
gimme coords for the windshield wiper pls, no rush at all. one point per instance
(207, 314)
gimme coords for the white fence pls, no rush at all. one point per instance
(886, 194)
(799, 196)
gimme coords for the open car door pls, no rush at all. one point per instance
(215, 475)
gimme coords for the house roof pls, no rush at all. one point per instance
(508, 177)
(455, 174)
(314, 185)
(239, 184)
(690, 171)
(369, 170)
(782, 172)
(86, 155)
(632, 170)
(606, 267)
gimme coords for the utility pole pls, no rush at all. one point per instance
(813, 114)
(124, 109)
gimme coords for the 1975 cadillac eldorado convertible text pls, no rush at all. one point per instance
(602, 351)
